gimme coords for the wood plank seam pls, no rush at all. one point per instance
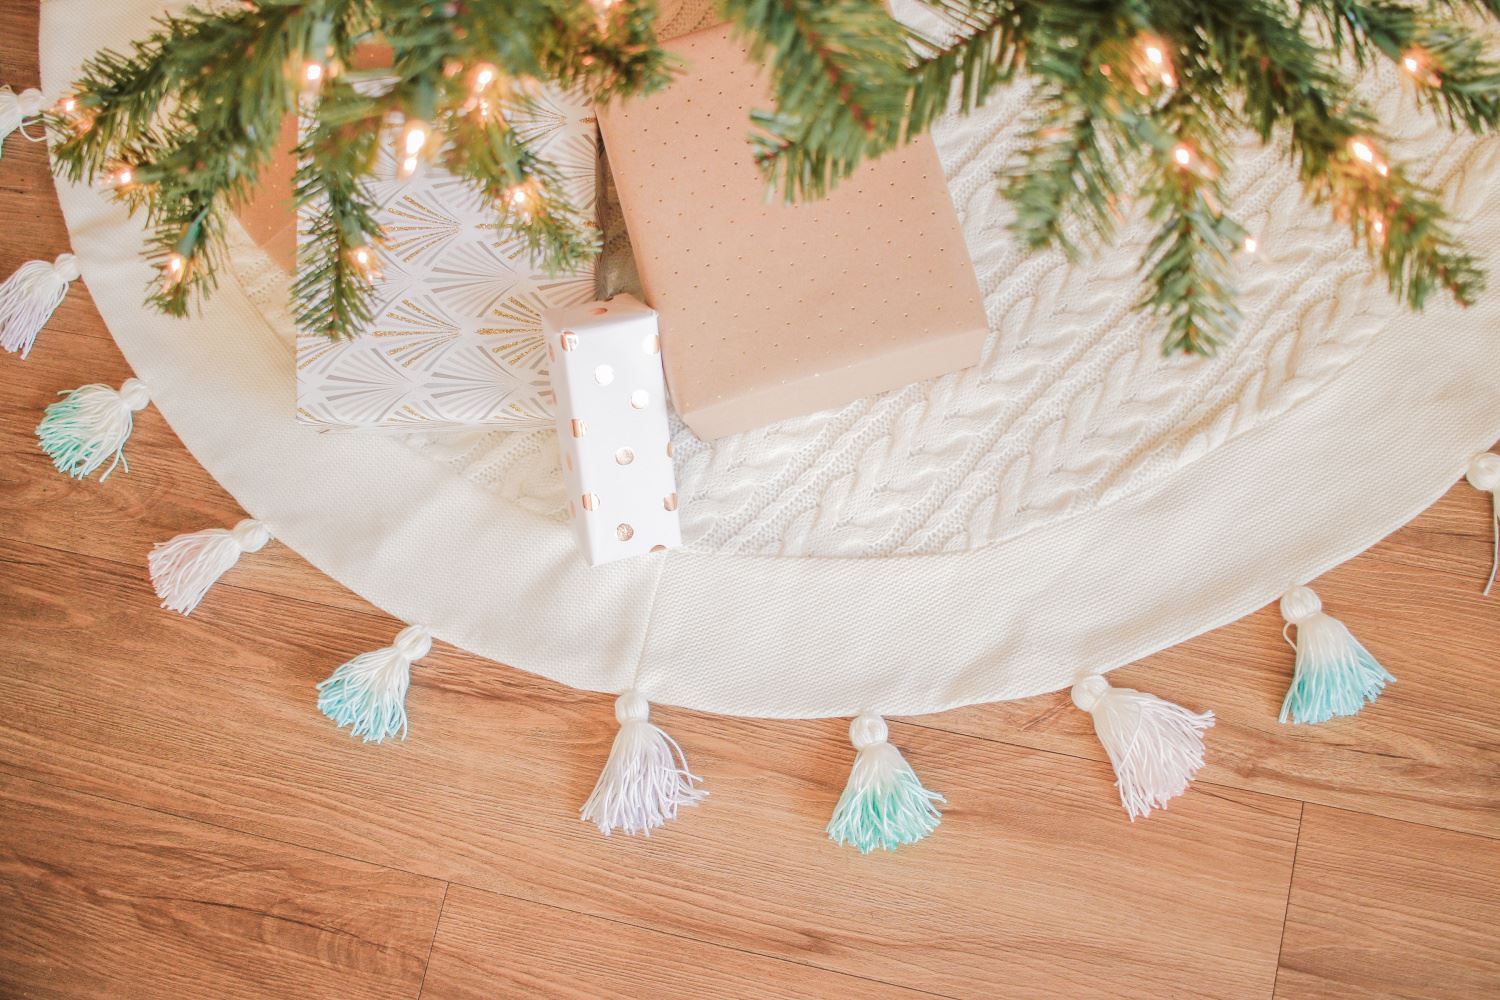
(437, 925)
(1287, 909)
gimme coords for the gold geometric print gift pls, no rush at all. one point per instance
(456, 335)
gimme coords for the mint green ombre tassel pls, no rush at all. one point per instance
(1334, 674)
(90, 425)
(368, 693)
(884, 804)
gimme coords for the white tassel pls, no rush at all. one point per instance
(1484, 475)
(90, 426)
(1334, 674)
(18, 110)
(646, 777)
(30, 297)
(368, 693)
(184, 568)
(884, 804)
(1155, 746)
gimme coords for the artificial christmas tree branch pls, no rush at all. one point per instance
(182, 125)
(1131, 96)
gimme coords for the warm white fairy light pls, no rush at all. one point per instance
(1362, 151)
(313, 72)
(1251, 245)
(121, 178)
(82, 118)
(1382, 169)
(1155, 54)
(1379, 226)
(173, 270)
(518, 200)
(414, 138)
(484, 75)
(364, 262)
(1182, 155)
(1419, 67)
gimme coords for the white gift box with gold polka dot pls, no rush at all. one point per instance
(456, 336)
(605, 360)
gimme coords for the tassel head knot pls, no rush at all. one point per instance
(1089, 691)
(250, 535)
(1484, 472)
(29, 102)
(867, 730)
(1300, 604)
(632, 706)
(413, 642)
(134, 394)
(65, 267)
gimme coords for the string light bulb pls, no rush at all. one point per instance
(484, 75)
(1154, 55)
(1419, 67)
(313, 73)
(122, 178)
(365, 263)
(1362, 151)
(518, 201)
(1168, 80)
(173, 270)
(81, 117)
(414, 136)
(1382, 169)
(1251, 245)
(1182, 155)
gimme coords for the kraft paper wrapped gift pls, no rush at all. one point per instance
(770, 310)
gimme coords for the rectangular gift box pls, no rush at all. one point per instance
(770, 310)
(456, 337)
(612, 428)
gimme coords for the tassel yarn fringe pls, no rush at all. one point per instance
(90, 426)
(646, 778)
(30, 297)
(368, 693)
(1334, 675)
(1154, 746)
(183, 569)
(1484, 475)
(884, 804)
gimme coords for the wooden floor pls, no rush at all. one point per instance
(178, 820)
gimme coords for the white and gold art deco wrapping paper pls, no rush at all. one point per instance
(456, 335)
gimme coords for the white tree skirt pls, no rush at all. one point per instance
(1073, 503)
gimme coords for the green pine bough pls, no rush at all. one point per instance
(1138, 96)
